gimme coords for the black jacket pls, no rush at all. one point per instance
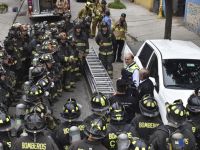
(159, 139)
(146, 87)
(129, 103)
(87, 145)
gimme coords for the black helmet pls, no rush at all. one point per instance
(116, 112)
(44, 83)
(103, 2)
(46, 58)
(34, 123)
(39, 108)
(96, 127)
(194, 102)
(176, 112)
(99, 102)
(78, 25)
(35, 92)
(137, 144)
(38, 72)
(104, 24)
(123, 15)
(6, 123)
(71, 110)
(148, 106)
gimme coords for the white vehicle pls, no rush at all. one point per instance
(174, 69)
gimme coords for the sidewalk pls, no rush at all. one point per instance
(7, 18)
(143, 25)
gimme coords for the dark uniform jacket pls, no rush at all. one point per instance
(62, 137)
(27, 143)
(115, 129)
(144, 127)
(87, 145)
(159, 139)
(129, 103)
(193, 124)
(105, 42)
(145, 87)
(5, 139)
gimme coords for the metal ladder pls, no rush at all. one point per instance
(97, 76)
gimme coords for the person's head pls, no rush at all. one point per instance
(121, 85)
(104, 27)
(123, 17)
(143, 74)
(34, 123)
(95, 128)
(116, 113)
(77, 28)
(129, 58)
(35, 93)
(103, 3)
(148, 106)
(176, 113)
(99, 103)
(107, 13)
(71, 110)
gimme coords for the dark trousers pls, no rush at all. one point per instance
(118, 47)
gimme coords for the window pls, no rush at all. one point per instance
(145, 55)
(181, 73)
(153, 69)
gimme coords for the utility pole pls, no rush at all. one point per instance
(168, 22)
(160, 14)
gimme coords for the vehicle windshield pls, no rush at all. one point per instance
(181, 73)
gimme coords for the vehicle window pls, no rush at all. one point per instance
(47, 5)
(145, 54)
(153, 68)
(181, 73)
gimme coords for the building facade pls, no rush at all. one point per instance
(192, 15)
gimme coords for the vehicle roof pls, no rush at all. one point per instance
(177, 49)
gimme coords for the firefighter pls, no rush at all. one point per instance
(6, 62)
(6, 125)
(62, 6)
(129, 103)
(53, 74)
(99, 106)
(81, 45)
(119, 29)
(35, 137)
(147, 122)
(106, 39)
(97, 18)
(193, 122)
(6, 91)
(116, 127)
(130, 73)
(85, 14)
(95, 130)
(66, 55)
(71, 113)
(174, 135)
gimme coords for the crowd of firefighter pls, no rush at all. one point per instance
(40, 61)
